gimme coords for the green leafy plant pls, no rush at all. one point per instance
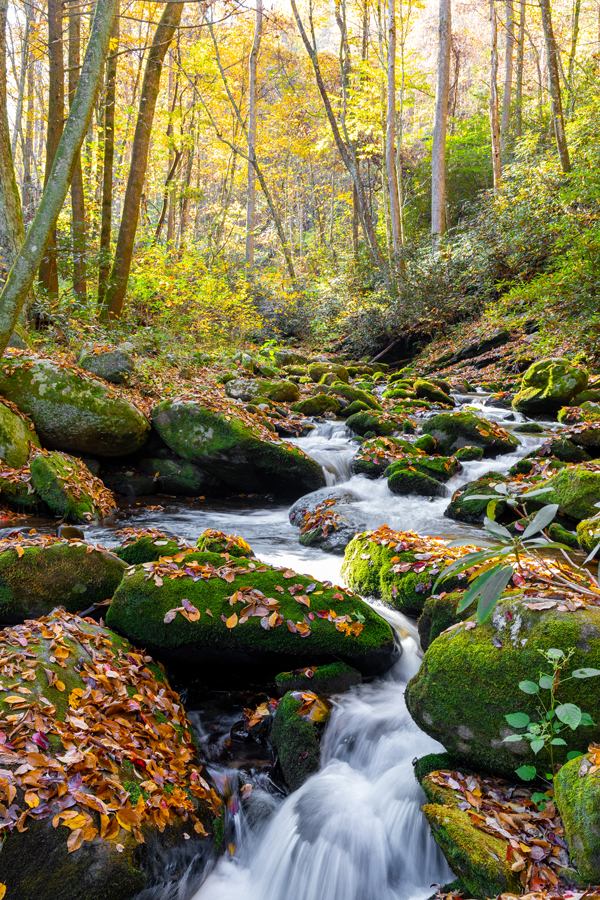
(554, 717)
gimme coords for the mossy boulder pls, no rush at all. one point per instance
(370, 423)
(563, 449)
(389, 565)
(439, 613)
(17, 491)
(333, 678)
(101, 772)
(242, 614)
(235, 450)
(317, 370)
(296, 735)
(465, 505)
(406, 477)
(140, 546)
(576, 489)
(17, 437)
(496, 656)
(549, 384)
(178, 476)
(40, 573)
(70, 409)
(460, 429)
(376, 454)
(588, 533)
(213, 541)
(69, 489)
(247, 389)
(318, 405)
(115, 364)
(469, 454)
(430, 391)
(577, 796)
(350, 394)
(426, 443)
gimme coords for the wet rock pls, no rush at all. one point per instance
(588, 533)
(213, 541)
(145, 545)
(198, 609)
(179, 477)
(235, 450)
(318, 405)
(251, 388)
(296, 735)
(327, 518)
(464, 508)
(333, 678)
(406, 478)
(70, 409)
(460, 429)
(549, 384)
(576, 490)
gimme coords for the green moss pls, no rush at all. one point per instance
(439, 613)
(397, 393)
(350, 393)
(458, 429)
(211, 541)
(296, 740)
(549, 384)
(477, 858)
(333, 678)
(62, 574)
(578, 800)
(68, 488)
(139, 607)
(576, 490)
(432, 762)
(355, 407)
(588, 534)
(17, 437)
(405, 477)
(430, 391)
(366, 423)
(427, 443)
(146, 549)
(464, 509)
(376, 454)
(468, 453)
(317, 405)
(496, 657)
(18, 492)
(72, 410)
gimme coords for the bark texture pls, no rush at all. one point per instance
(440, 125)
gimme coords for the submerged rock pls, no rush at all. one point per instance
(549, 384)
(199, 609)
(70, 409)
(39, 573)
(239, 451)
(101, 772)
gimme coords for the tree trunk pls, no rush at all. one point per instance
(390, 133)
(56, 112)
(519, 72)
(554, 84)
(18, 130)
(345, 150)
(78, 236)
(22, 274)
(29, 184)
(108, 134)
(440, 125)
(11, 219)
(494, 118)
(509, 46)
(251, 175)
(572, 54)
(119, 276)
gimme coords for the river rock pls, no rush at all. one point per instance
(249, 389)
(549, 384)
(140, 545)
(433, 392)
(70, 409)
(318, 405)
(115, 364)
(100, 777)
(405, 478)
(496, 656)
(296, 735)
(376, 454)
(327, 518)
(179, 477)
(213, 541)
(576, 489)
(41, 572)
(588, 533)
(577, 796)
(459, 429)
(17, 437)
(465, 509)
(332, 678)
(201, 609)
(239, 451)
(69, 489)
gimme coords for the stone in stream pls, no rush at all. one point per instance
(236, 448)
(178, 477)
(376, 454)
(100, 778)
(40, 572)
(69, 489)
(296, 734)
(327, 518)
(464, 508)
(140, 545)
(70, 409)
(213, 541)
(318, 405)
(400, 567)
(459, 429)
(549, 384)
(588, 533)
(495, 657)
(332, 678)
(17, 437)
(206, 611)
(576, 490)
(252, 388)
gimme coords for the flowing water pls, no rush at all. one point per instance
(354, 830)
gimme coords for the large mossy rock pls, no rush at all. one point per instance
(113, 364)
(588, 534)
(140, 545)
(100, 776)
(41, 572)
(577, 796)
(70, 409)
(318, 405)
(405, 477)
(239, 451)
(461, 429)
(69, 489)
(17, 437)
(576, 490)
(549, 384)
(376, 454)
(465, 505)
(178, 476)
(399, 567)
(17, 491)
(495, 657)
(202, 609)
(251, 388)
(296, 735)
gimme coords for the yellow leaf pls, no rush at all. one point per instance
(2, 891)
(31, 799)
(232, 621)
(59, 685)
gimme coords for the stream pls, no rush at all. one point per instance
(354, 830)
